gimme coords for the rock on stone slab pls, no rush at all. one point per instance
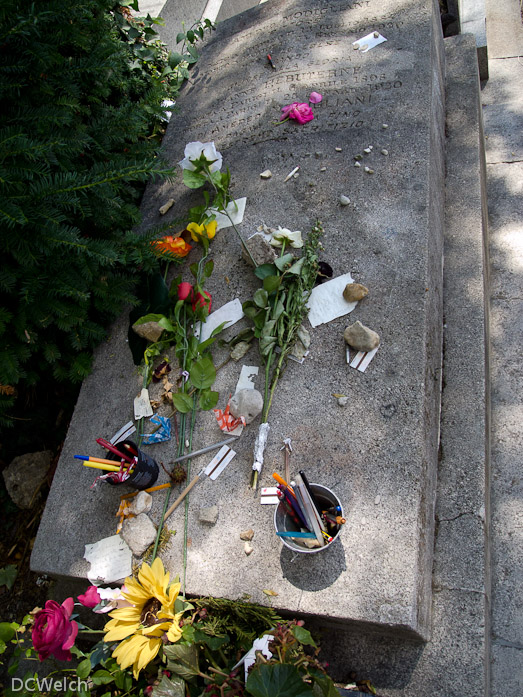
(247, 535)
(354, 292)
(148, 330)
(24, 476)
(261, 250)
(142, 503)
(247, 403)
(208, 515)
(361, 337)
(247, 548)
(139, 533)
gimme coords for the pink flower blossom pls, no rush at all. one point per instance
(315, 98)
(90, 598)
(298, 111)
(53, 631)
(185, 291)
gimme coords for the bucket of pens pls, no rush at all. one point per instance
(142, 473)
(309, 517)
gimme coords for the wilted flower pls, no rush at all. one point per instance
(315, 97)
(54, 632)
(299, 111)
(90, 598)
(172, 246)
(205, 230)
(203, 152)
(292, 238)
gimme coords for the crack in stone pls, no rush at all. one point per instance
(439, 589)
(459, 515)
(509, 644)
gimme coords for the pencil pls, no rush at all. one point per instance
(99, 460)
(95, 465)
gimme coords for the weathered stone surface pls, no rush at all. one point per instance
(25, 475)
(260, 249)
(385, 440)
(361, 337)
(208, 515)
(142, 503)
(139, 533)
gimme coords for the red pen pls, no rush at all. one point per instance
(108, 446)
(270, 61)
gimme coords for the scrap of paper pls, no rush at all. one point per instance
(235, 209)
(162, 434)
(110, 559)
(230, 313)
(124, 433)
(326, 301)
(227, 422)
(248, 375)
(142, 405)
(261, 644)
(362, 359)
(269, 495)
(369, 41)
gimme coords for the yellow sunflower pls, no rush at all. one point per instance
(142, 626)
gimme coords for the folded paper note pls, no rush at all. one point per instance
(326, 301)
(110, 559)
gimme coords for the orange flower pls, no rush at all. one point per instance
(172, 246)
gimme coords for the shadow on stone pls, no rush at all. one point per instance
(313, 572)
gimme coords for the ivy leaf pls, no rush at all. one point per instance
(280, 680)
(302, 635)
(84, 668)
(297, 267)
(8, 575)
(265, 270)
(208, 400)
(281, 262)
(193, 179)
(202, 373)
(182, 402)
(208, 269)
(182, 660)
(170, 687)
(261, 298)
(271, 283)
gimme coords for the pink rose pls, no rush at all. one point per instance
(91, 597)
(53, 631)
(298, 111)
(201, 301)
(315, 98)
(185, 291)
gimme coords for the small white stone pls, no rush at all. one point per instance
(377, 500)
(142, 503)
(343, 401)
(323, 169)
(344, 200)
(338, 149)
(369, 170)
(384, 152)
(357, 164)
(187, 444)
(367, 150)
(247, 548)
(384, 125)
(266, 175)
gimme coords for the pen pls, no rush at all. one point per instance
(99, 460)
(270, 61)
(282, 481)
(297, 509)
(96, 466)
(288, 507)
(108, 446)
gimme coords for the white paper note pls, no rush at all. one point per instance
(327, 302)
(248, 375)
(142, 405)
(235, 209)
(369, 41)
(230, 313)
(111, 560)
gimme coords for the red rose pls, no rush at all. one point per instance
(54, 633)
(90, 598)
(185, 291)
(202, 301)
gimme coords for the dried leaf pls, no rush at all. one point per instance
(268, 592)
(338, 395)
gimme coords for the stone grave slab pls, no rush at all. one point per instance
(379, 452)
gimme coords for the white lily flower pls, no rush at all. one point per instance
(282, 233)
(193, 151)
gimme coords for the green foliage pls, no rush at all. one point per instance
(81, 92)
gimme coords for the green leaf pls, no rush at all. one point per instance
(151, 317)
(325, 683)
(3, 646)
(84, 668)
(182, 402)
(280, 680)
(279, 307)
(202, 373)
(166, 324)
(8, 575)
(210, 341)
(302, 635)
(265, 270)
(250, 312)
(271, 283)
(297, 267)
(266, 344)
(6, 631)
(268, 328)
(281, 262)
(182, 660)
(261, 298)
(208, 269)
(180, 37)
(208, 400)
(102, 677)
(213, 642)
(170, 687)
(192, 179)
